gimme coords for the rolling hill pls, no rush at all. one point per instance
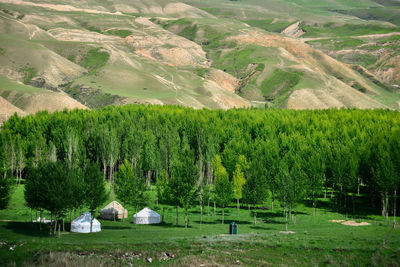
(297, 54)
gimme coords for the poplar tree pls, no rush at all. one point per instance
(223, 187)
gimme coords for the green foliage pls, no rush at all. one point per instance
(1, 51)
(53, 187)
(28, 72)
(5, 191)
(95, 189)
(267, 25)
(279, 83)
(120, 33)
(189, 32)
(94, 60)
(346, 30)
(223, 187)
(238, 181)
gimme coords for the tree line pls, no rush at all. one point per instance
(217, 156)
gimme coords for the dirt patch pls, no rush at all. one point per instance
(287, 232)
(294, 30)
(163, 46)
(7, 110)
(66, 8)
(303, 54)
(378, 36)
(351, 223)
(74, 35)
(223, 79)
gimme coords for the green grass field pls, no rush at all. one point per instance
(316, 240)
(9, 85)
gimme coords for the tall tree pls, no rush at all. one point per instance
(238, 182)
(255, 189)
(223, 187)
(95, 189)
(185, 176)
(130, 188)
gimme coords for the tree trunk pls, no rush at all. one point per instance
(354, 204)
(394, 207)
(223, 213)
(55, 226)
(135, 217)
(238, 207)
(272, 201)
(294, 222)
(162, 218)
(255, 215)
(215, 207)
(148, 178)
(91, 221)
(383, 207)
(201, 213)
(386, 208)
(40, 220)
(186, 218)
(208, 207)
(176, 215)
(59, 226)
(358, 186)
(286, 219)
(313, 208)
(104, 169)
(31, 216)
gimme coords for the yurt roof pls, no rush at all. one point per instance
(147, 212)
(114, 205)
(84, 218)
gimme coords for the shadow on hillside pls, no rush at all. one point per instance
(361, 208)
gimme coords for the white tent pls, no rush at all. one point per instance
(146, 216)
(82, 224)
(113, 210)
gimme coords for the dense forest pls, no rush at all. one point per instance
(234, 156)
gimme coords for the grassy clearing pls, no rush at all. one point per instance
(9, 85)
(346, 30)
(28, 72)
(280, 83)
(316, 241)
(94, 60)
(120, 33)
(268, 25)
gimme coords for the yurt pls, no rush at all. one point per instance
(82, 224)
(113, 210)
(146, 216)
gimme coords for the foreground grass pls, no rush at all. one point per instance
(316, 241)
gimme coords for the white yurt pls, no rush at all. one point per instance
(146, 216)
(113, 210)
(82, 224)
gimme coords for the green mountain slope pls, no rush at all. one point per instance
(209, 54)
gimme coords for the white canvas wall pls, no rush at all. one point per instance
(82, 224)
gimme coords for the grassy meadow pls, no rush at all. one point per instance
(316, 240)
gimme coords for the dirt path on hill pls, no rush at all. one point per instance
(55, 7)
(377, 36)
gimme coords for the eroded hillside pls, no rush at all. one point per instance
(88, 54)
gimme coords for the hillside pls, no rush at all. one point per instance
(285, 54)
